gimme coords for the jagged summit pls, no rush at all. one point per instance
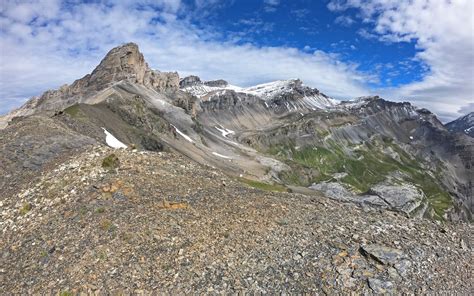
(124, 62)
(272, 89)
(464, 124)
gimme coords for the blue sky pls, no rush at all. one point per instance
(309, 26)
(420, 51)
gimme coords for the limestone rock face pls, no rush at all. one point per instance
(121, 63)
(404, 198)
(127, 63)
(162, 81)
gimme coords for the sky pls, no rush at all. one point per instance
(421, 51)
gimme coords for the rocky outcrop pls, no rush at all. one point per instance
(217, 83)
(189, 81)
(403, 198)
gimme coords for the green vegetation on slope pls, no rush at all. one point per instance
(365, 167)
(263, 186)
(72, 110)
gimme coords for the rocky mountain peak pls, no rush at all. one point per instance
(124, 62)
(127, 63)
(464, 124)
(192, 80)
(278, 88)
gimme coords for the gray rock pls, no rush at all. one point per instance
(380, 287)
(216, 83)
(382, 254)
(189, 81)
(334, 190)
(374, 201)
(118, 195)
(403, 267)
(403, 198)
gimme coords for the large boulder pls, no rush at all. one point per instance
(402, 198)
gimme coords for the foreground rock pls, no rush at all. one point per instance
(157, 222)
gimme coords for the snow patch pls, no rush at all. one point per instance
(183, 134)
(224, 131)
(220, 155)
(113, 141)
(271, 89)
(201, 90)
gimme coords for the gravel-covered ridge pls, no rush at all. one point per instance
(162, 223)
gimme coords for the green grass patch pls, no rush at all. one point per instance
(264, 186)
(25, 208)
(73, 110)
(111, 162)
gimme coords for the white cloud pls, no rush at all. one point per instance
(443, 32)
(272, 2)
(271, 5)
(40, 50)
(467, 108)
(344, 20)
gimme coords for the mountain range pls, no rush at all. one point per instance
(367, 150)
(390, 159)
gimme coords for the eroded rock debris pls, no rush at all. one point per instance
(161, 223)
